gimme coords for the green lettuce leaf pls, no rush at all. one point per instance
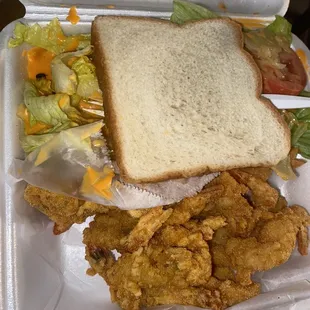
(298, 121)
(297, 132)
(80, 79)
(31, 142)
(302, 115)
(186, 11)
(56, 111)
(305, 93)
(87, 79)
(64, 79)
(19, 34)
(281, 26)
(43, 86)
(46, 109)
(50, 37)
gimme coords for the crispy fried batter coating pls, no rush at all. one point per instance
(232, 205)
(263, 173)
(262, 194)
(189, 207)
(270, 244)
(201, 251)
(107, 230)
(148, 224)
(63, 210)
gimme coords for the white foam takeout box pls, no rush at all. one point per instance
(40, 271)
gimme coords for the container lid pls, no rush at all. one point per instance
(262, 10)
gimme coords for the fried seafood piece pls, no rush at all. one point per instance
(189, 207)
(138, 212)
(61, 209)
(192, 235)
(196, 296)
(270, 244)
(262, 194)
(148, 224)
(231, 205)
(303, 240)
(231, 186)
(118, 230)
(100, 260)
(153, 267)
(176, 258)
(174, 276)
(263, 173)
(107, 230)
(232, 292)
(217, 295)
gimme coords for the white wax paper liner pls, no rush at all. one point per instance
(60, 165)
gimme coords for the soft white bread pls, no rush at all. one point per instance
(183, 100)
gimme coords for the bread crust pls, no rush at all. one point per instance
(105, 84)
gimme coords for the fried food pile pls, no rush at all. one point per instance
(201, 251)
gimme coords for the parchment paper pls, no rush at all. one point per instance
(61, 164)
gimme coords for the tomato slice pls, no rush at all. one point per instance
(290, 80)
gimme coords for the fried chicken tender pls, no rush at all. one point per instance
(63, 210)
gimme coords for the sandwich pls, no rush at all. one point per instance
(183, 100)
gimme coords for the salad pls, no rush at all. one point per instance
(62, 90)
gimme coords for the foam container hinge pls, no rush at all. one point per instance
(42, 271)
(254, 9)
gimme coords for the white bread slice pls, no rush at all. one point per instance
(183, 100)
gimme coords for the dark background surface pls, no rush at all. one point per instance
(298, 14)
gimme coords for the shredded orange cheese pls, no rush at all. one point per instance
(73, 17)
(39, 61)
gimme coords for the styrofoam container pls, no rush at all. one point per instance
(40, 271)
